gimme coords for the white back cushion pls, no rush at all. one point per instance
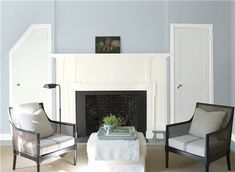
(205, 122)
(27, 107)
(23, 108)
(32, 117)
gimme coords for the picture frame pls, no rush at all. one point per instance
(107, 44)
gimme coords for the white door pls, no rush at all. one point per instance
(29, 67)
(191, 49)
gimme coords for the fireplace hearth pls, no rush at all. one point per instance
(92, 106)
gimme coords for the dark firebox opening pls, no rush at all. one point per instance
(92, 106)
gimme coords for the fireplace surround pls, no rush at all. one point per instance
(115, 72)
(92, 106)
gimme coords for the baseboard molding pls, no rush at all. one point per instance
(233, 137)
(232, 146)
(5, 137)
(233, 142)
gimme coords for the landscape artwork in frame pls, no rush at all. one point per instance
(107, 44)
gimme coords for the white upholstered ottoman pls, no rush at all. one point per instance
(116, 155)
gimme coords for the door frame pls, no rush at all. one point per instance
(173, 26)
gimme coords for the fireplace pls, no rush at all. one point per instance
(92, 106)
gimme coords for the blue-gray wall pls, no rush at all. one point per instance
(233, 54)
(233, 62)
(1, 116)
(16, 18)
(218, 14)
(143, 27)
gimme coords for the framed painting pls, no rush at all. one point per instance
(107, 44)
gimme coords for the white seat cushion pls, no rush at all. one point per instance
(189, 143)
(180, 142)
(55, 142)
(197, 147)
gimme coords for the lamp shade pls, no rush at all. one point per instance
(49, 86)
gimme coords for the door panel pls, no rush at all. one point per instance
(30, 67)
(192, 74)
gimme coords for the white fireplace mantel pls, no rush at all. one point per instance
(94, 72)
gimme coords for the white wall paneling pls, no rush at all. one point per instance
(92, 72)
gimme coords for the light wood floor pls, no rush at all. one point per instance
(154, 162)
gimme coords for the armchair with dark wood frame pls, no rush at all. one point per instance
(21, 138)
(217, 143)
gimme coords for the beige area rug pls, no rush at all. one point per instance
(155, 162)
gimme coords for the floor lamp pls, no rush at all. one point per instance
(51, 86)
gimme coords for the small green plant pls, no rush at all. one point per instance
(111, 120)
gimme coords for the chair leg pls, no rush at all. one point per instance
(228, 161)
(166, 158)
(14, 161)
(75, 157)
(38, 165)
(207, 167)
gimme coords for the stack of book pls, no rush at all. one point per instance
(118, 133)
(121, 131)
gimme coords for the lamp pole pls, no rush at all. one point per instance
(50, 86)
(59, 105)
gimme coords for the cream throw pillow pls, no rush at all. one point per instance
(205, 122)
(36, 121)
